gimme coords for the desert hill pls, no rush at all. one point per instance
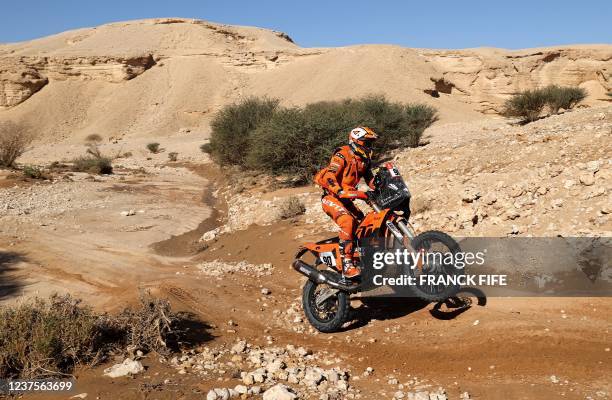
(218, 245)
(157, 76)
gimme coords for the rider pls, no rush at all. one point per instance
(339, 182)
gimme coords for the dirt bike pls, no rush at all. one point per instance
(326, 294)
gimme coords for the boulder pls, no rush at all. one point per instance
(279, 392)
(127, 367)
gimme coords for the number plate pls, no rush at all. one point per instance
(328, 258)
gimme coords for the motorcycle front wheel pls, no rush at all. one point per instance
(441, 250)
(326, 315)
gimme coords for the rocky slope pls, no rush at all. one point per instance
(489, 178)
(158, 76)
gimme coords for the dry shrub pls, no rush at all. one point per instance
(173, 156)
(14, 140)
(94, 137)
(560, 97)
(292, 207)
(153, 147)
(93, 165)
(529, 104)
(148, 327)
(43, 338)
(94, 162)
(33, 172)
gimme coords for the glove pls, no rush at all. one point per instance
(352, 194)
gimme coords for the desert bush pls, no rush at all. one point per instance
(232, 127)
(94, 137)
(206, 148)
(14, 140)
(299, 141)
(173, 156)
(93, 165)
(153, 147)
(33, 172)
(93, 150)
(291, 207)
(527, 105)
(558, 97)
(42, 338)
(149, 327)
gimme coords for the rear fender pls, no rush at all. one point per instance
(327, 251)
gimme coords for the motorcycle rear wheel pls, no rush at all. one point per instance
(332, 313)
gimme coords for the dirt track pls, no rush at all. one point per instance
(511, 352)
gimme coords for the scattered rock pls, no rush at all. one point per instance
(128, 213)
(218, 268)
(127, 367)
(241, 389)
(239, 347)
(593, 166)
(516, 191)
(210, 235)
(469, 195)
(279, 392)
(587, 179)
(489, 198)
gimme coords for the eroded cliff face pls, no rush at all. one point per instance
(486, 77)
(17, 84)
(21, 77)
(162, 75)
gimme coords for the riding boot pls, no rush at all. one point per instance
(349, 270)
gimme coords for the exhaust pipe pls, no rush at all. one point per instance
(316, 276)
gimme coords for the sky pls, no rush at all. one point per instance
(451, 24)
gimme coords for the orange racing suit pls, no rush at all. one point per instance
(343, 173)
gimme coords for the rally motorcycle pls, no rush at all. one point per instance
(326, 294)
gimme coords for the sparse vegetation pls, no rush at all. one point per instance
(93, 165)
(233, 126)
(153, 147)
(94, 137)
(33, 172)
(529, 105)
(43, 338)
(173, 156)
(94, 162)
(299, 141)
(206, 148)
(14, 140)
(558, 97)
(292, 207)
